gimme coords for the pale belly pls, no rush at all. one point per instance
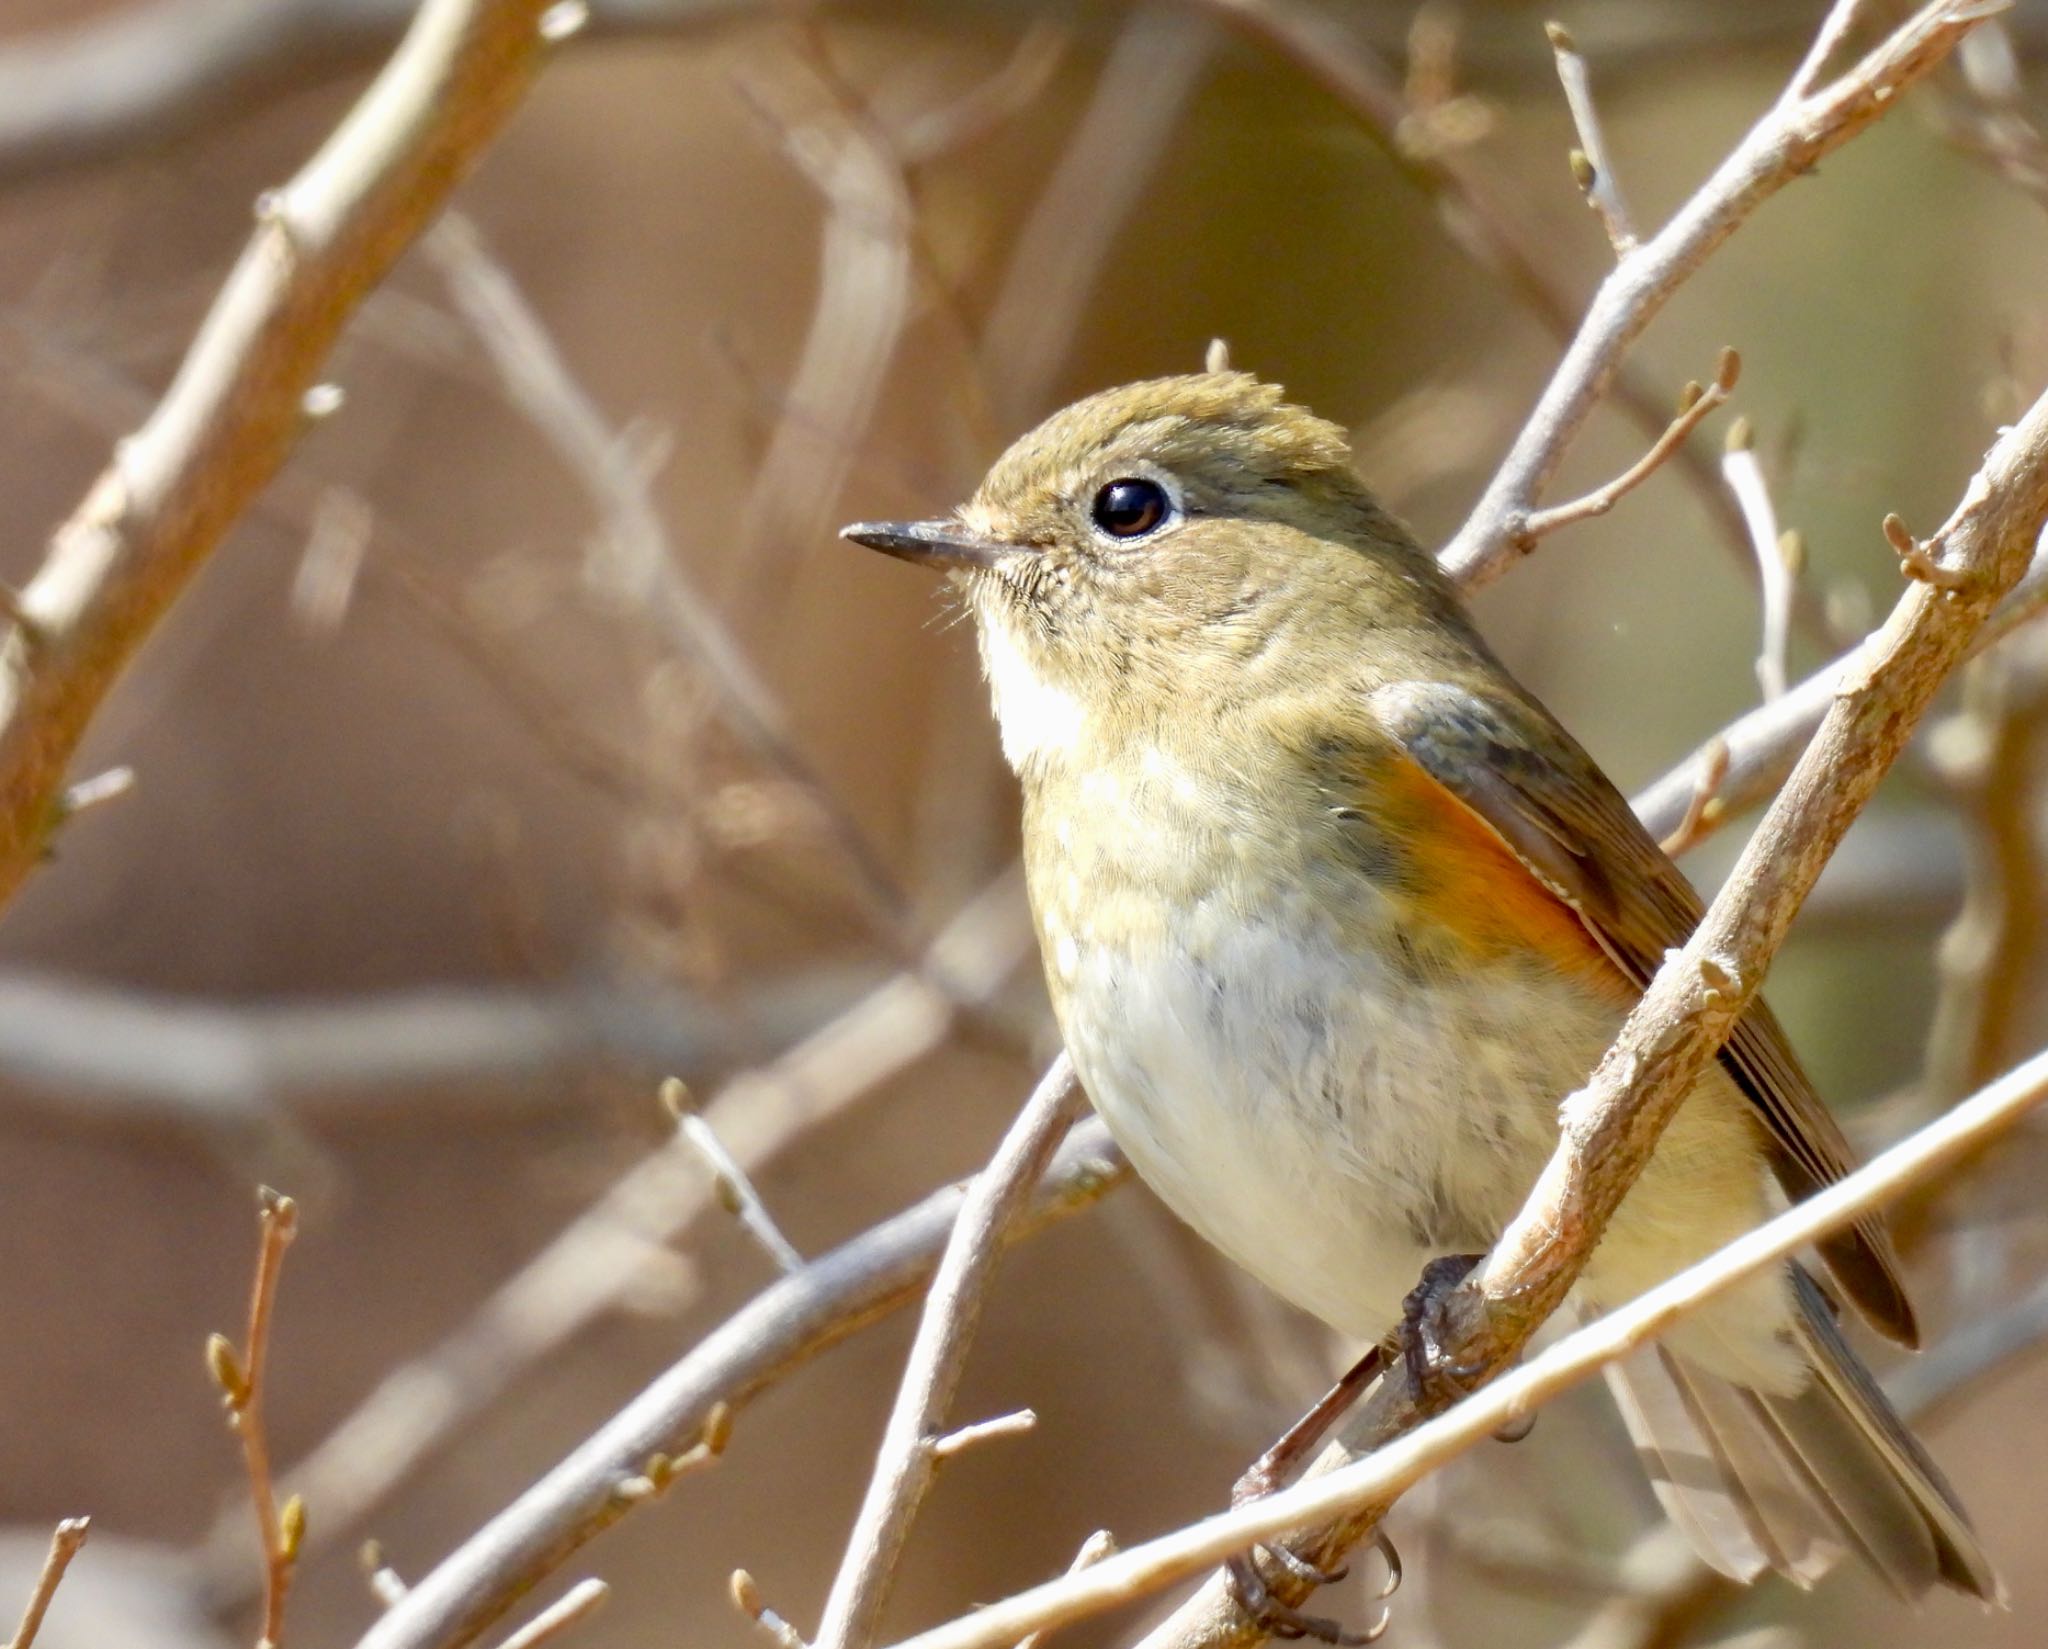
(1332, 1122)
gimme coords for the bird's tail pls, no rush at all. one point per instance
(1760, 1481)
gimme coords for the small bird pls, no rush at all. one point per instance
(1333, 915)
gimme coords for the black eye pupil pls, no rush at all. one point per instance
(1127, 509)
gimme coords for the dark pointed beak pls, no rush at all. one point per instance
(928, 543)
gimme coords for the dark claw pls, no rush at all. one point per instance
(1390, 1555)
(1283, 1620)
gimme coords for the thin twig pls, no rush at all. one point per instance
(1701, 809)
(594, 1261)
(736, 1191)
(1695, 405)
(578, 1603)
(65, 1540)
(1786, 143)
(1774, 556)
(962, 1438)
(908, 1457)
(386, 1584)
(173, 489)
(747, 1598)
(1092, 1551)
(1592, 167)
(241, 1378)
(786, 1325)
(1381, 1476)
(1827, 41)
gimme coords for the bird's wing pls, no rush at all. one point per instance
(1576, 833)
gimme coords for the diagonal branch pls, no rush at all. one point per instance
(173, 489)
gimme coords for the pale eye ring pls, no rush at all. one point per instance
(1131, 507)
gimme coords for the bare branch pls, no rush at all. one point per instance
(236, 406)
(1774, 555)
(1711, 771)
(1471, 207)
(1694, 407)
(578, 1603)
(69, 1535)
(736, 1191)
(790, 1322)
(908, 1457)
(1397, 1464)
(86, 1052)
(603, 1254)
(1591, 165)
(1793, 136)
(241, 1378)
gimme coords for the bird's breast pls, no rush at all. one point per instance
(1328, 1095)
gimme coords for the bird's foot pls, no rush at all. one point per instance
(1435, 1379)
(1247, 1581)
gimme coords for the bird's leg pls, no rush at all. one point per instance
(1434, 1379)
(1268, 1473)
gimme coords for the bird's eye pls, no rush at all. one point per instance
(1131, 508)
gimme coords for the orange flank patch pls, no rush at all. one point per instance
(1466, 885)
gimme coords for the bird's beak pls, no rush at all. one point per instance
(928, 543)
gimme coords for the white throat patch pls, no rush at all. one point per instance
(1039, 720)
